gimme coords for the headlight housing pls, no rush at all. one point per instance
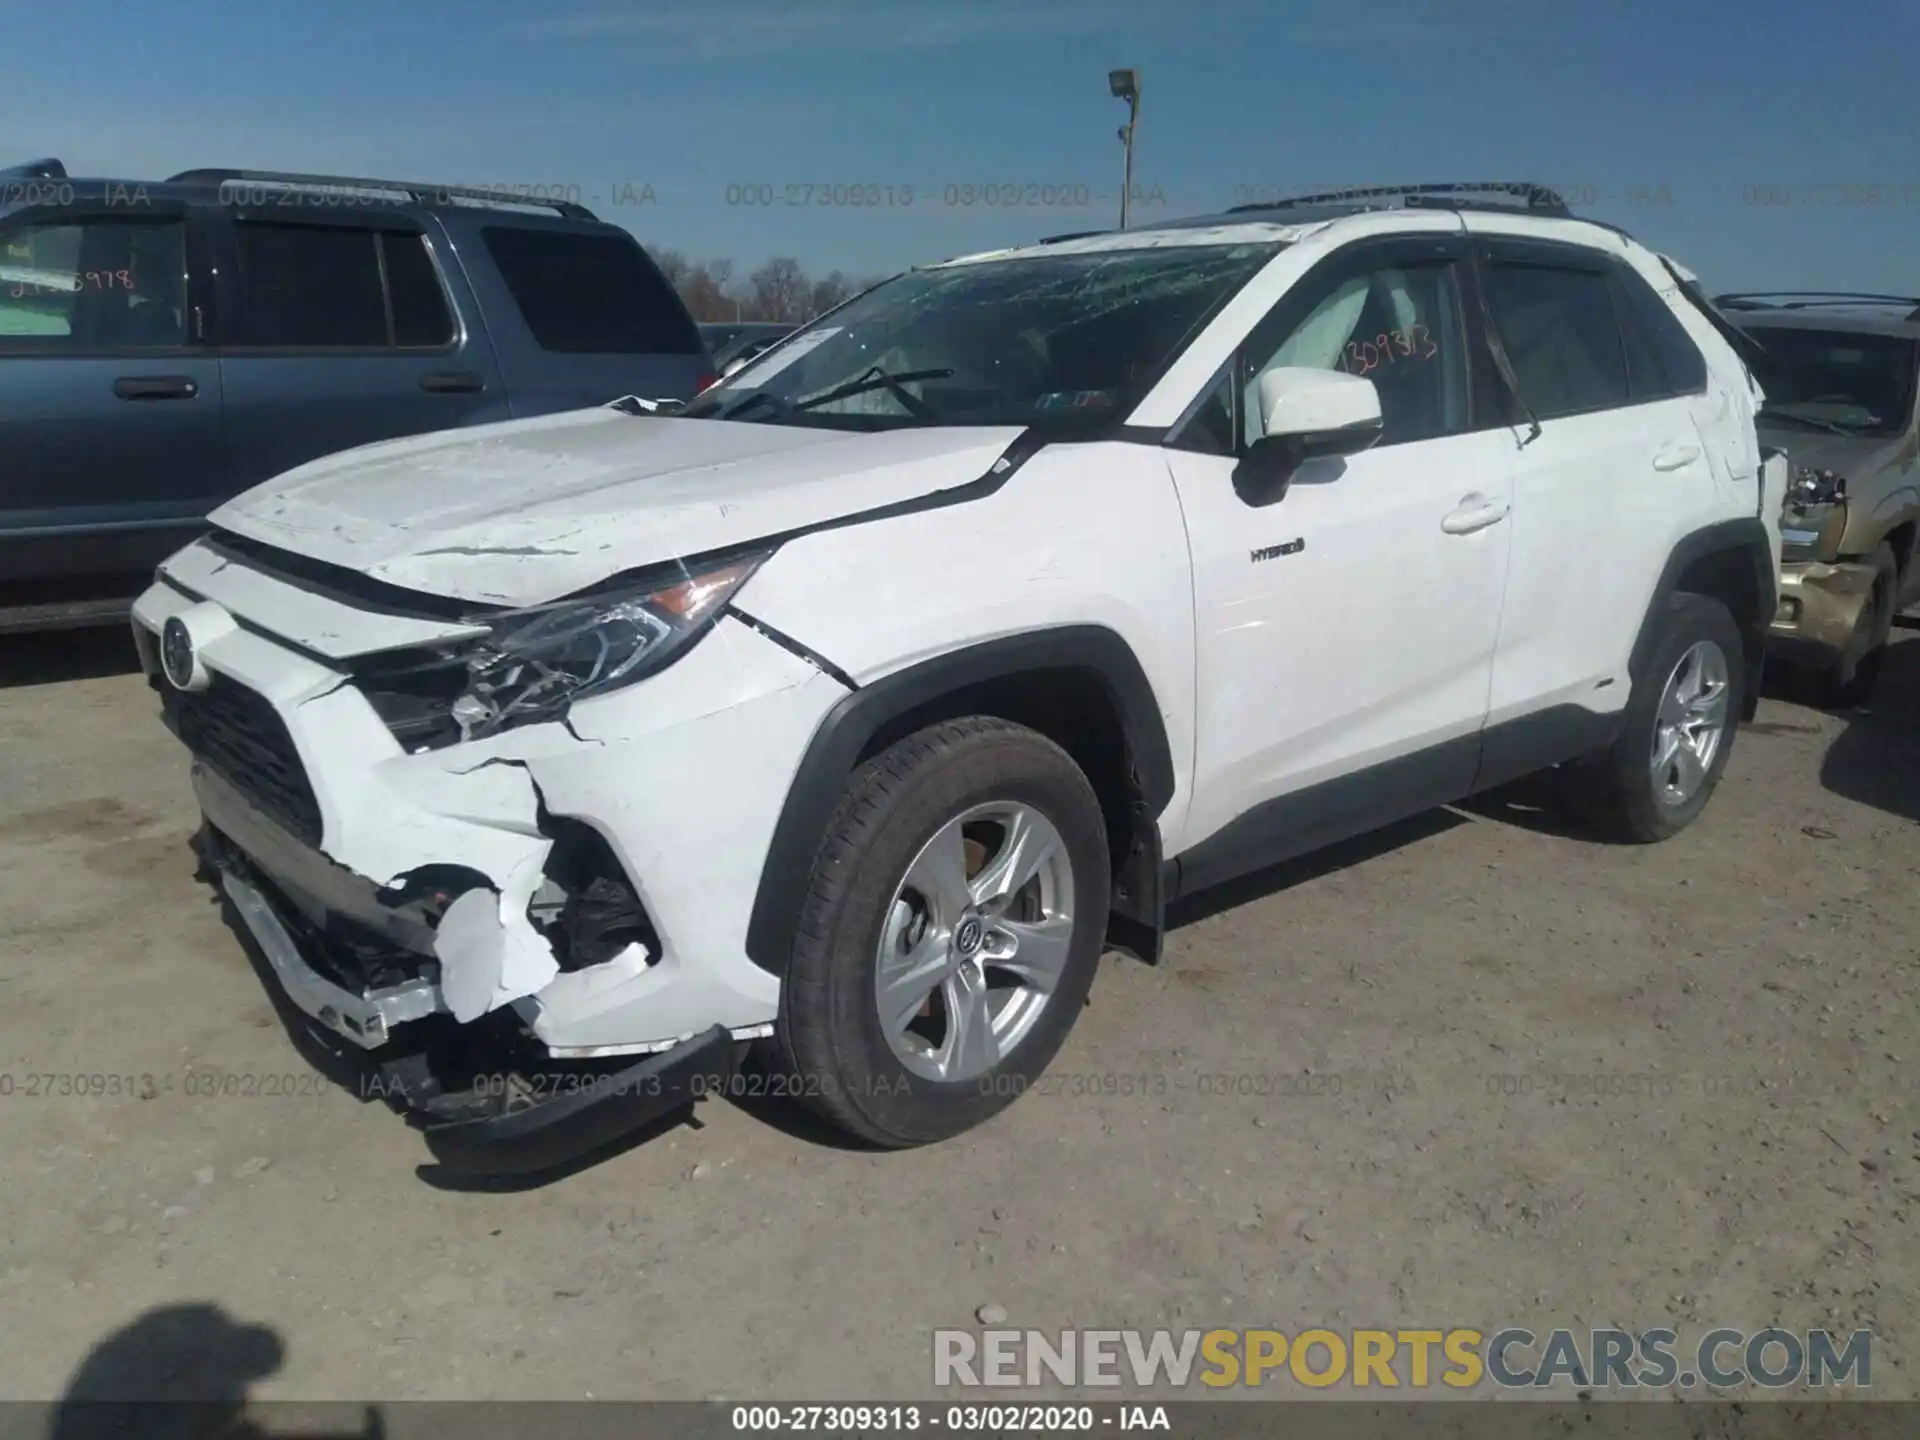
(535, 663)
(1816, 487)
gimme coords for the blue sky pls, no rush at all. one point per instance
(1676, 119)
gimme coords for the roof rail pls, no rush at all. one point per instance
(1070, 235)
(1808, 300)
(416, 191)
(1463, 195)
(47, 169)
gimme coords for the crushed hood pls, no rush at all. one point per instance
(531, 510)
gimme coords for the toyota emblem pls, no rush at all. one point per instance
(176, 652)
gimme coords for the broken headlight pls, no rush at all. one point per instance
(537, 662)
(1816, 487)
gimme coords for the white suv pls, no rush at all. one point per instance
(860, 705)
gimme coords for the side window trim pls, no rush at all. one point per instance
(386, 285)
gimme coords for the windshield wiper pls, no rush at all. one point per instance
(878, 379)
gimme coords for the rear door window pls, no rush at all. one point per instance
(590, 294)
(309, 287)
(1561, 334)
(326, 287)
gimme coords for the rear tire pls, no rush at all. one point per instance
(1677, 733)
(1850, 681)
(910, 893)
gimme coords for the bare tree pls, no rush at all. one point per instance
(828, 291)
(780, 291)
(672, 265)
(705, 290)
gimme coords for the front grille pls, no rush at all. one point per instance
(237, 734)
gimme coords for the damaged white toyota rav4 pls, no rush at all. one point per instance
(859, 706)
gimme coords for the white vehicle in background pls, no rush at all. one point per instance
(1840, 375)
(853, 710)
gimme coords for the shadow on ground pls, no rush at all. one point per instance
(1876, 760)
(50, 657)
(181, 1372)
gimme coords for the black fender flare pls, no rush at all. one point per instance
(1747, 538)
(854, 720)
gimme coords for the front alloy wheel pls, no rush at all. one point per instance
(976, 940)
(950, 933)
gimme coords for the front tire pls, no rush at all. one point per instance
(1677, 732)
(949, 935)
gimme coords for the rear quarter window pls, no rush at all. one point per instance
(590, 294)
(1681, 366)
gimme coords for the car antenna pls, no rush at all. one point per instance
(1497, 348)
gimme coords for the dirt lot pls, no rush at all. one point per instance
(1419, 1019)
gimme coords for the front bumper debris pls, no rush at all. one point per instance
(543, 1126)
(504, 1110)
(1820, 604)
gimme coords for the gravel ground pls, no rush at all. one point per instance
(1416, 1023)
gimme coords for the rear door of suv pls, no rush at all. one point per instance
(338, 326)
(579, 314)
(109, 402)
(1616, 474)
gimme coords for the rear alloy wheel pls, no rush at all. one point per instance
(1690, 723)
(1676, 733)
(950, 934)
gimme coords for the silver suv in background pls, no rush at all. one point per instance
(1840, 375)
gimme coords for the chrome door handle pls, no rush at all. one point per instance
(1676, 457)
(1475, 512)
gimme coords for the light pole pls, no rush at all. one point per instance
(1125, 85)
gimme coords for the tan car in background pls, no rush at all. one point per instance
(1840, 382)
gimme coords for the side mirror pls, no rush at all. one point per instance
(1309, 414)
(733, 367)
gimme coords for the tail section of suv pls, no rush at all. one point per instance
(850, 712)
(166, 346)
